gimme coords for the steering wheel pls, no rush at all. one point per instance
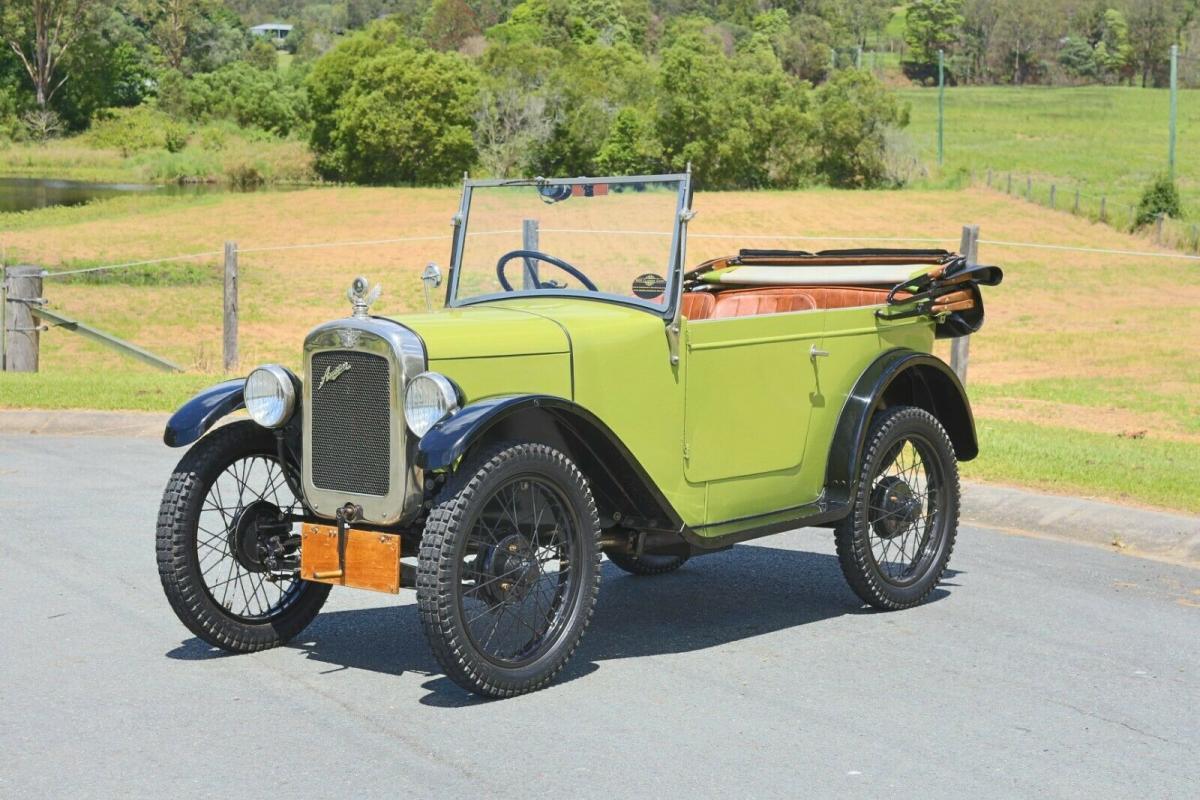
(538, 255)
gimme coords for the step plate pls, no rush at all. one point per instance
(372, 558)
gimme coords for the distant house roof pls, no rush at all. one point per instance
(271, 27)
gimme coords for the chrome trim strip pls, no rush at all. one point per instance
(406, 358)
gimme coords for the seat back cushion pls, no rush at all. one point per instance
(698, 305)
(770, 301)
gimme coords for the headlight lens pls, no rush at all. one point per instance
(429, 397)
(270, 395)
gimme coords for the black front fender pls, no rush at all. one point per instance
(898, 377)
(617, 477)
(197, 415)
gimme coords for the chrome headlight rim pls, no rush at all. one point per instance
(272, 403)
(445, 398)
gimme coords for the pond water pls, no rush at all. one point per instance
(24, 194)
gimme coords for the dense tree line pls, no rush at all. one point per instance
(1052, 41)
(413, 91)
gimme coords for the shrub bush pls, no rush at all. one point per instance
(133, 130)
(1160, 197)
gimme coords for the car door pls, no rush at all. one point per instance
(752, 382)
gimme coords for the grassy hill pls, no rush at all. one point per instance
(1104, 140)
(1083, 378)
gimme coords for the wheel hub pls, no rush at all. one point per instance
(507, 570)
(894, 507)
(251, 533)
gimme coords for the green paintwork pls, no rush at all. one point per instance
(740, 427)
(485, 331)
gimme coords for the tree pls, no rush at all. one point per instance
(170, 24)
(1153, 25)
(405, 114)
(930, 25)
(854, 113)
(41, 33)
(855, 20)
(448, 24)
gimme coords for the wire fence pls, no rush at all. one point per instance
(1048, 195)
(1163, 231)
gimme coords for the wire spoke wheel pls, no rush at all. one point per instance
(903, 511)
(516, 577)
(895, 544)
(247, 507)
(509, 569)
(228, 551)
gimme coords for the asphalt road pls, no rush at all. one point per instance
(1041, 668)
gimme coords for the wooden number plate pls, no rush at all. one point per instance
(372, 558)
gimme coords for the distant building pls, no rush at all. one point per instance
(275, 31)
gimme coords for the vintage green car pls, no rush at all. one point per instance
(580, 393)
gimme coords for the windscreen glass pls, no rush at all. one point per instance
(612, 239)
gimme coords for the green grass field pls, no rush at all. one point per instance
(1084, 379)
(1103, 140)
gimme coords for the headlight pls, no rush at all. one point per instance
(428, 398)
(270, 395)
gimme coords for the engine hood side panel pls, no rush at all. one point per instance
(485, 332)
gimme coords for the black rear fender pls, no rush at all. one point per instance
(898, 377)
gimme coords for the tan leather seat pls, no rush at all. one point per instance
(763, 301)
(698, 305)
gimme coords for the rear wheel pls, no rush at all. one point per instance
(647, 564)
(895, 544)
(228, 553)
(509, 569)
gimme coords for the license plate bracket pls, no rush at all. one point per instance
(372, 559)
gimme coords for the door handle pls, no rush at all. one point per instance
(814, 353)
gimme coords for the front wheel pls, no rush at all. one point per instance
(228, 553)
(509, 569)
(895, 544)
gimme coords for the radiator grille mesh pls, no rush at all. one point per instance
(351, 422)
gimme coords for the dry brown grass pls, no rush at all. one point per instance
(1097, 342)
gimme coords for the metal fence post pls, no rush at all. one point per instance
(4, 317)
(960, 347)
(230, 328)
(23, 291)
(529, 241)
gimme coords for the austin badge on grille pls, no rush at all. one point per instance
(332, 373)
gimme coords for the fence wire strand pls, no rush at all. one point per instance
(576, 231)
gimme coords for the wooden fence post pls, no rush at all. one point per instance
(1009, 189)
(1158, 228)
(1053, 194)
(1195, 238)
(529, 241)
(1028, 187)
(960, 347)
(1103, 202)
(22, 290)
(1076, 209)
(989, 178)
(230, 329)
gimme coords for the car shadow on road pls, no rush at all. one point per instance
(714, 600)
